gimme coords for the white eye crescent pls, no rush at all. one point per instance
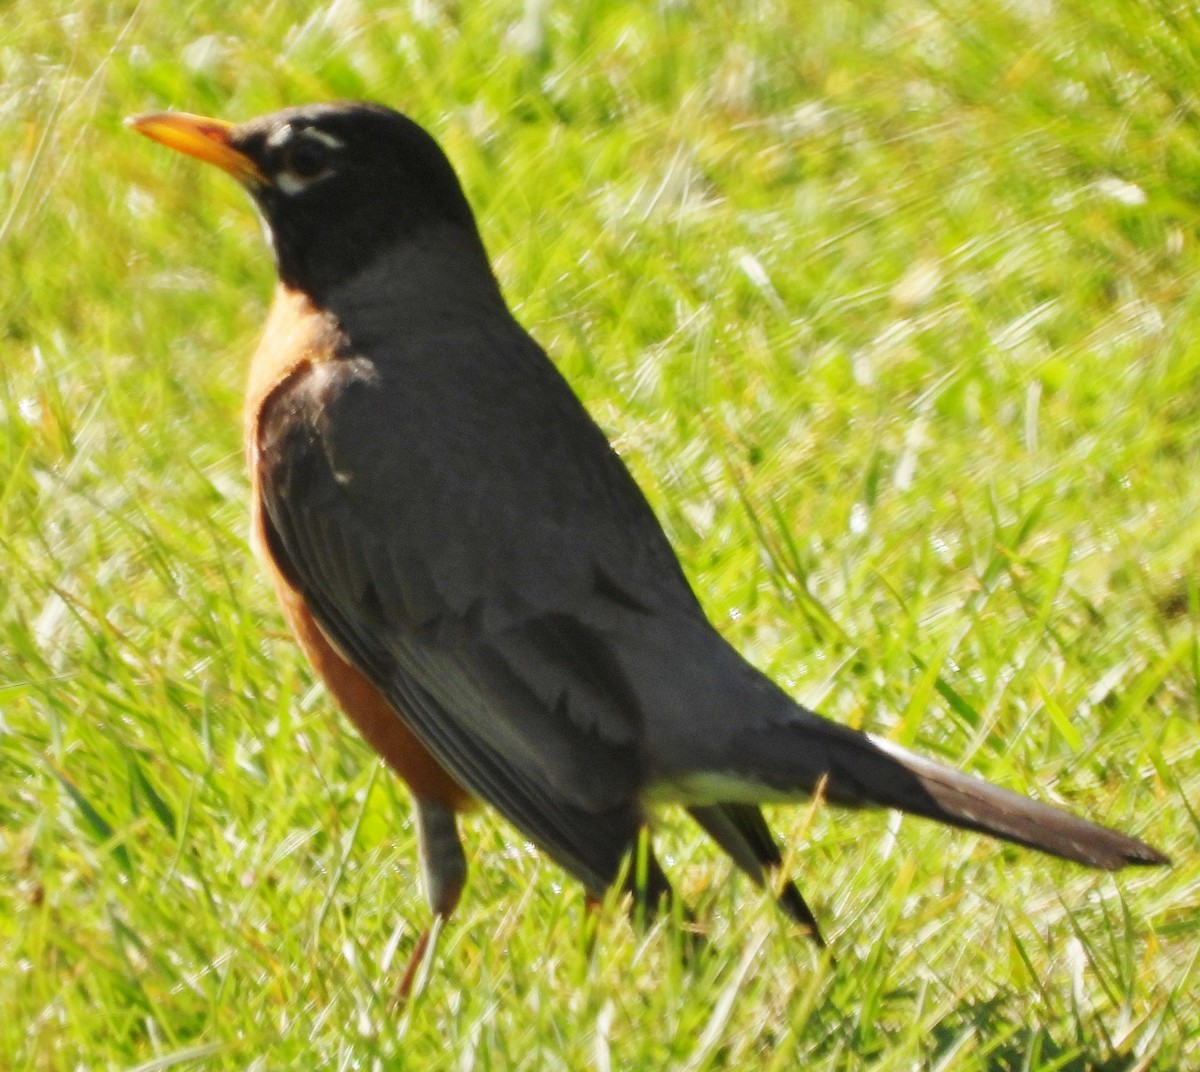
(289, 183)
(307, 155)
(325, 138)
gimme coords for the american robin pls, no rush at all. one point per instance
(473, 571)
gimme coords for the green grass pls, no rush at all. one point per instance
(892, 309)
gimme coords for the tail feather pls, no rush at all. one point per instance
(741, 831)
(859, 769)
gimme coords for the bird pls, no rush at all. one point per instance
(472, 570)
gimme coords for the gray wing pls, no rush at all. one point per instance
(478, 594)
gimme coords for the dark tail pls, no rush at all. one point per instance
(858, 769)
(741, 831)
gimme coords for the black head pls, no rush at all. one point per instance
(338, 184)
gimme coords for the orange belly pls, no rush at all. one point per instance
(296, 333)
(368, 710)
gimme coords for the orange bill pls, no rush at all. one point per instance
(205, 139)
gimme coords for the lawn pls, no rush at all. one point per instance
(891, 308)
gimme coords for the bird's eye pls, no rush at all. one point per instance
(306, 158)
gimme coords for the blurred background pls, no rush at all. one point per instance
(891, 307)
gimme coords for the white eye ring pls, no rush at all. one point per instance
(290, 184)
(293, 180)
(325, 138)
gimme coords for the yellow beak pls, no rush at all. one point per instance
(205, 139)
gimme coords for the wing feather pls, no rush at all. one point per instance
(522, 699)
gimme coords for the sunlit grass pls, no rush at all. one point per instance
(893, 312)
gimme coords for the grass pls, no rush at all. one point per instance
(892, 309)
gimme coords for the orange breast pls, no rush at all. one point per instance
(297, 333)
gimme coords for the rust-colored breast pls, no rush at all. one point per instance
(297, 333)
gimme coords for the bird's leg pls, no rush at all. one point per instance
(652, 894)
(649, 891)
(444, 872)
(647, 882)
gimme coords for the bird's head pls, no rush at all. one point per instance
(336, 183)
